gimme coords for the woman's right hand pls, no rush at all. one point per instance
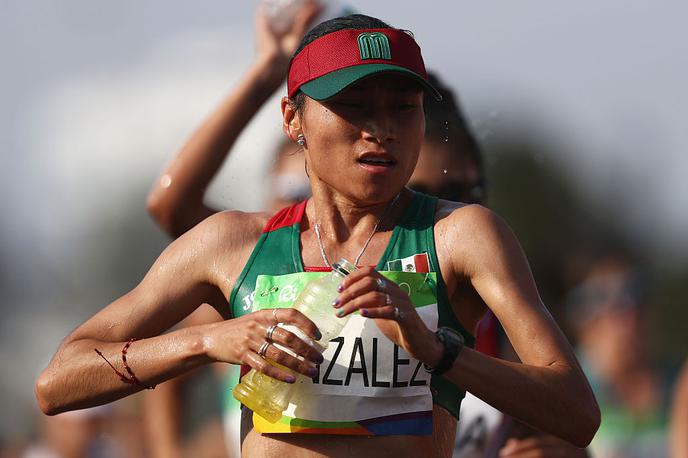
(240, 340)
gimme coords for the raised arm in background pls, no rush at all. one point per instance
(176, 200)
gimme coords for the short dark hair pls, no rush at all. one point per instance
(350, 22)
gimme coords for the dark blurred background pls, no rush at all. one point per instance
(580, 110)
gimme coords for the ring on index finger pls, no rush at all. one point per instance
(263, 349)
(398, 314)
(270, 331)
(380, 284)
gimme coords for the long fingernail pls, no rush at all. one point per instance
(335, 302)
(340, 288)
(290, 379)
(312, 372)
(340, 313)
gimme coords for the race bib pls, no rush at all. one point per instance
(366, 384)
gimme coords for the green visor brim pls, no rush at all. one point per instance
(331, 84)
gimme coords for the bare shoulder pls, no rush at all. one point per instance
(230, 229)
(473, 220)
(226, 230)
(211, 253)
(217, 244)
(471, 235)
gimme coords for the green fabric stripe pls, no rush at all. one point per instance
(237, 312)
(274, 253)
(395, 265)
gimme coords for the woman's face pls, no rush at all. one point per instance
(364, 142)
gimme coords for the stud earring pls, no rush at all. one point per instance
(301, 140)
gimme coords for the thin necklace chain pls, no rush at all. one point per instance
(316, 226)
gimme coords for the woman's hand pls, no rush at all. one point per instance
(381, 299)
(277, 48)
(252, 339)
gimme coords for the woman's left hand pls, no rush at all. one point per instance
(381, 299)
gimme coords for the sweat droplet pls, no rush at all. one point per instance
(165, 181)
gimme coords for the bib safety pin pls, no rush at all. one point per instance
(270, 291)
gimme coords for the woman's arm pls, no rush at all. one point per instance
(176, 200)
(189, 272)
(548, 389)
(678, 434)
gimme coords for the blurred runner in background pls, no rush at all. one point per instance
(607, 311)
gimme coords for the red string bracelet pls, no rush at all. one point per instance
(131, 379)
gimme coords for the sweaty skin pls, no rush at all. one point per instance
(478, 254)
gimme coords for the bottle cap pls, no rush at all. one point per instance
(343, 266)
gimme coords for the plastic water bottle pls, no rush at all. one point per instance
(281, 13)
(270, 397)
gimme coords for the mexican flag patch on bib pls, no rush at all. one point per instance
(416, 263)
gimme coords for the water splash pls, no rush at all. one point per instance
(484, 128)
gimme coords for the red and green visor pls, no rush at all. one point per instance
(335, 61)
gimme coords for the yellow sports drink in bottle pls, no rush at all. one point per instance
(270, 397)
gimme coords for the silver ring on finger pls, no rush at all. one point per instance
(263, 349)
(380, 284)
(388, 299)
(270, 331)
(398, 314)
